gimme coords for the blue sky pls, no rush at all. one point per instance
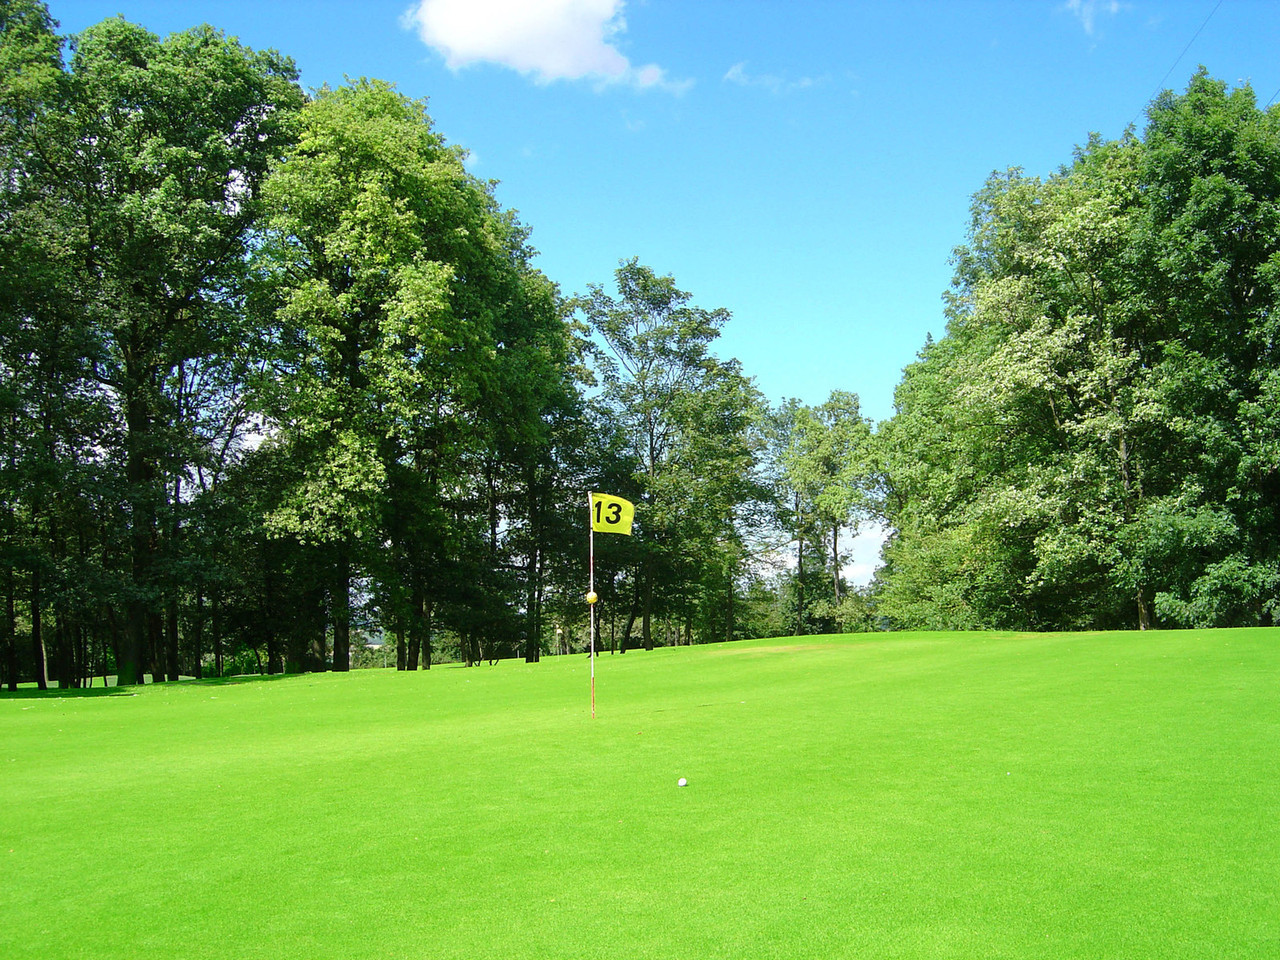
(807, 165)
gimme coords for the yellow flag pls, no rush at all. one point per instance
(610, 514)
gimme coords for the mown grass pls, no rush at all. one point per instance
(906, 795)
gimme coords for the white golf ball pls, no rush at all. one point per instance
(682, 782)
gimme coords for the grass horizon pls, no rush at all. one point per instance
(889, 795)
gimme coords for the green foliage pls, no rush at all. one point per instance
(822, 483)
(684, 419)
(1086, 446)
(277, 370)
(421, 377)
(134, 193)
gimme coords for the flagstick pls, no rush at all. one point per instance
(591, 607)
(615, 519)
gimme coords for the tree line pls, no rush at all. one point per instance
(278, 372)
(279, 376)
(1095, 442)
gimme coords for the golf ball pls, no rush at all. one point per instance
(682, 782)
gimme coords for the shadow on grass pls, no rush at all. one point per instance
(30, 692)
(54, 693)
(246, 678)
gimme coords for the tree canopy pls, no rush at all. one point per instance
(279, 378)
(1093, 442)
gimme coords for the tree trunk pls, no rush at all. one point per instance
(646, 624)
(137, 646)
(55, 625)
(728, 613)
(275, 662)
(800, 590)
(64, 654)
(172, 663)
(340, 601)
(171, 638)
(1144, 611)
(155, 645)
(133, 640)
(10, 626)
(298, 633)
(216, 625)
(270, 601)
(533, 571)
(84, 655)
(533, 607)
(92, 647)
(835, 560)
(426, 635)
(419, 625)
(632, 612)
(37, 635)
(116, 632)
(197, 633)
(10, 631)
(799, 570)
(315, 624)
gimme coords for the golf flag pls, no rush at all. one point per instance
(610, 514)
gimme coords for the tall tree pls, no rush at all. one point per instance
(1079, 450)
(416, 350)
(156, 183)
(826, 467)
(684, 415)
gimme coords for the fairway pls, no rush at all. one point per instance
(889, 795)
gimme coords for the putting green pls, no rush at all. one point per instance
(896, 795)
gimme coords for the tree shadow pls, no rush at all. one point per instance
(28, 692)
(245, 678)
(74, 693)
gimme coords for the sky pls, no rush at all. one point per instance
(807, 165)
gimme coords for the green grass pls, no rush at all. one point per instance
(903, 795)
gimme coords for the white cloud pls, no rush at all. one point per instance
(1086, 11)
(547, 39)
(768, 81)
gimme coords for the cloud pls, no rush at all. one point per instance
(774, 84)
(547, 39)
(1086, 11)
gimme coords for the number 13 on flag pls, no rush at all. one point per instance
(610, 514)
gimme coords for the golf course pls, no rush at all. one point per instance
(913, 795)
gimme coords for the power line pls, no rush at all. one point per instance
(1160, 86)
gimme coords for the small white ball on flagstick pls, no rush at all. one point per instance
(682, 782)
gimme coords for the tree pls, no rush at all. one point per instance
(417, 354)
(41, 342)
(684, 417)
(1091, 443)
(1210, 255)
(152, 184)
(825, 464)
